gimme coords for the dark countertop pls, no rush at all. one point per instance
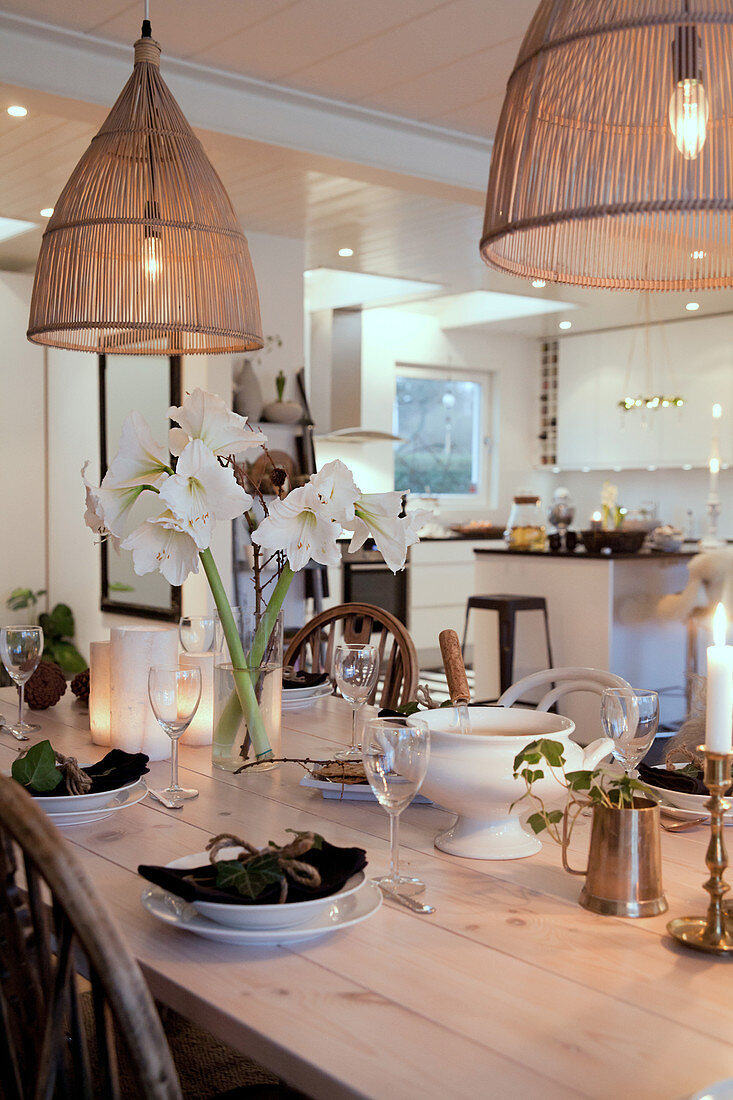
(581, 555)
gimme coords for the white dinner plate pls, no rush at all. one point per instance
(71, 803)
(173, 911)
(295, 699)
(350, 792)
(264, 916)
(127, 796)
(684, 805)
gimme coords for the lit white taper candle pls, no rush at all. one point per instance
(719, 717)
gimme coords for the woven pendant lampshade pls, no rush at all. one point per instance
(613, 159)
(143, 253)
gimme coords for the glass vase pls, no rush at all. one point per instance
(232, 745)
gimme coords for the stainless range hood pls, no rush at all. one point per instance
(336, 379)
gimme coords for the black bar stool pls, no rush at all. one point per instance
(507, 607)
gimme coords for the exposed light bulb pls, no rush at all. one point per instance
(688, 117)
(151, 258)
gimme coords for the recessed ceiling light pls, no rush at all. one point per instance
(565, 324)
(687, 466)
(17, 112)
(692, 306)
(651, 469)
(46, 212)
(346, 251)
(538, 283)
(585, 469)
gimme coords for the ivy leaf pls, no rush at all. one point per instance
(66, 655)
(537, 822)
(60, 622)
(554, 816)
(579, 781)
(552, 752)
(251, 878)
(37, 769)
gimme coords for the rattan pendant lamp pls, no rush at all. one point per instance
(143, 253)
(613, 159)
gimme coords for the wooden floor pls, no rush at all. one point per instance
(509, 990)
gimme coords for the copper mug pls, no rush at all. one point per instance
(624, 873)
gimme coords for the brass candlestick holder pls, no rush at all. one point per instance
(713, 933)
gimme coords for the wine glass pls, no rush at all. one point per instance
(630, 718)
(355, 668)
(174, 695)
(196, 633)
(20, 649)
(395, 754)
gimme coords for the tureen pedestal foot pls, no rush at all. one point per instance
(498, 838)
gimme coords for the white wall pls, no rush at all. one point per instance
(22, 450)
(392, 336)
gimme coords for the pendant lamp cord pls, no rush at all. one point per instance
(147, 30)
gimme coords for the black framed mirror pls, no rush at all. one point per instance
(149, 384)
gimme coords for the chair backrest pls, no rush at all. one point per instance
(312, 649)
(563, 681)
(52, 924)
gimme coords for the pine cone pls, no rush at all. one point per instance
(45, 687)
(80, 686)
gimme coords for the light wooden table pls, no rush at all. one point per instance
(509, 990)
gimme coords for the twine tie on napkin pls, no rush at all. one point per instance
(76, 779)
(287, 858)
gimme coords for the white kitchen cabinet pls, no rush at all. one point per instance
(442, 577)
(594, 433)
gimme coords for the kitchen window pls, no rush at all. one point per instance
(442, 416)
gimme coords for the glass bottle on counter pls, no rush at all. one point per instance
(526, 528)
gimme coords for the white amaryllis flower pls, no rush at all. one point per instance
(336, 487)
(413, 521)
(205, 416)
(162, 543)
(377, 514)
(94, 516)
(302, 526)
(201, 492)
(139, 460)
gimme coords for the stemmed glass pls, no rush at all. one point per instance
(396, 752)
(196, 633)
(174, 695)
(355, 668)
(20, 649)
(630, 718)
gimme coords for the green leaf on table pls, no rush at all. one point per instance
(251, 878)
(59, 623)
(66, 655)
(37, 769)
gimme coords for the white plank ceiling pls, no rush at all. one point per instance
(440, 62)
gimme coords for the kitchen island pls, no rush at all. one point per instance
(602, 612)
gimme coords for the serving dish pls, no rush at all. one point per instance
(612, 542)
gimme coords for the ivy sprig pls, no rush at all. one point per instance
(599, 787)
(252, 876)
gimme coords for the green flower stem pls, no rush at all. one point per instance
(244, 702)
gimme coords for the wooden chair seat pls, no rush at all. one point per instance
(313, 647)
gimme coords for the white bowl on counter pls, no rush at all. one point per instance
(472, 775)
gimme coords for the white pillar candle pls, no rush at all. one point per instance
(719, 717)
(99, 692)
(201, 730)
(134, 650)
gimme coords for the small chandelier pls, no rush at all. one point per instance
(649, 398)
(611, 165)
(143, 253)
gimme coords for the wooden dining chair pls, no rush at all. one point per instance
(313, 647)
(53, 926)
(561, 681)
(57, 1041)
